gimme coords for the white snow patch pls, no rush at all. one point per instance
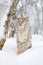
(33, 56)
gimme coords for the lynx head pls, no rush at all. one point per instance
(22, 21)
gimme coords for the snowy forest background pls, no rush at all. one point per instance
(33, 9)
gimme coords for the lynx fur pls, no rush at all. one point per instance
(23, 35)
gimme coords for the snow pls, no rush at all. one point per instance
(33, 56)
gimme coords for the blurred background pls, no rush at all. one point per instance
(33, 9)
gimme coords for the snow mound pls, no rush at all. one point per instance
(33, 56)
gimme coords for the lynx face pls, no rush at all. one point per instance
(22, 21)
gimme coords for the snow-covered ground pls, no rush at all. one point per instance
(33, 56)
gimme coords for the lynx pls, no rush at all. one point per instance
(23, 35)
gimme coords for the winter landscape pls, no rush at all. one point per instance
(33, 56)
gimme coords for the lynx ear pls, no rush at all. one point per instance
(26, 18)
(18, 18)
